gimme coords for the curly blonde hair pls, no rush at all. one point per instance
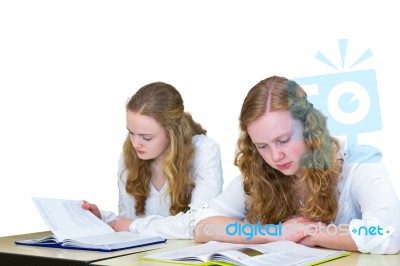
(274, 197)
(164, 103)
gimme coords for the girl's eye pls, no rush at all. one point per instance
(260, 147)
(147, 138)
(283, 141)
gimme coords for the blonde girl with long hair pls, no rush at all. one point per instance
(301, 181)
(168, 166)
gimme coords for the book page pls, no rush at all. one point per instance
(67, 220)
(42, 240)
(254, 257)
(199, 253)
(276, 253)
(117, 238)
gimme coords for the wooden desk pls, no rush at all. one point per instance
(130, 260)
(12, 254)
(366, 260)
(355, 258)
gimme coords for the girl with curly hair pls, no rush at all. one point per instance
(295, 176)
(168, 166)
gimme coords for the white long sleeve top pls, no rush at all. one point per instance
(367, 199)
(207, 174)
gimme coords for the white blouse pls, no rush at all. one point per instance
(207, 174)
(367, 199)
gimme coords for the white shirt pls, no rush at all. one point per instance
(207, 174)
(367, 199)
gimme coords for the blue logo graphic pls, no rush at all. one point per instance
(350, 99)
(372, 230)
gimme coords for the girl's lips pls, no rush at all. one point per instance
(283, 167)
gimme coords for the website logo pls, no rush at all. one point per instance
(368, 231)
(349, 98)
(286, 230)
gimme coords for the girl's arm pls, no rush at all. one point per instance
(333, 237)
(225, 229)
(377, 231)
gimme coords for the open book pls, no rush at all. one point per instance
(76, 228)
(275, 253)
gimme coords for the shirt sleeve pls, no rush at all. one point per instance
(378, 229)
(206, 171)
(179, 226)
(207, 175)
(231, 203)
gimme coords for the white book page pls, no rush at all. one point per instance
(268, 259)
(279, 253)
(199, 252)
(116, 238)
(67, 220)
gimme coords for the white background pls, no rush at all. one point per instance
(67, 68)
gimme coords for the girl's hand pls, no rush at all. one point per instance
(91, 207)
(121, 225)
(297, 229)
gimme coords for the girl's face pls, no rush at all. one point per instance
(148, 137)
(279, 140)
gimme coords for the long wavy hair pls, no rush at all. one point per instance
(163, 103)
(274, 197)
